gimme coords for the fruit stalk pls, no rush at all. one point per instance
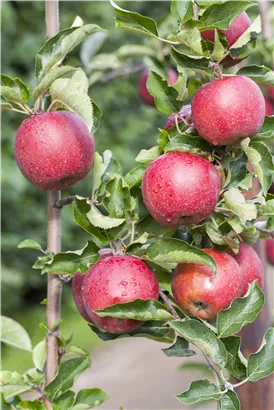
(54, 289)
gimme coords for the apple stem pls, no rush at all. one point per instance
(54, 288)
(20, 111)
(218, 71)
(169, 304)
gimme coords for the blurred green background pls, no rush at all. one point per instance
(126, 126)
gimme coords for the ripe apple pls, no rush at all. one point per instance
(180, 188)
(269, 110)
(201, 293)
(269, 250)
(238, 26)
(77, 293)
(184, 112)
(54, 150)
(227, 109)
(147, 98)
(250, 264)
(117, 279)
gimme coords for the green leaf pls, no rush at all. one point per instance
(262, 161)
(135, 176)
(138, 309)
(182, 10)
(68, 372)
(71, 95)
(39, 355)
(221, 15)
(117, 199)
(137, 244)
(98, 171)
(201, 336)
(195, 63)
(76, 350)
(165, 96)
(31, 405)
(267, 130)
(71, 262)
(193, 85)
(50, 78)
(199, 390)
(5, 104)
(13, 334)
(153, 228)
(65, 401)
(30, 244)
(13, 89)
(146, 156)
(91, 397)
(241, 311)
(179, 349)
(101, 221)
(12, 383)
(39, 264)
(97, 115)
(218, 50)
(58, 46)
(193, 144)
(235, 202)
(236, 363)
(91, 46)
(171, 250)
(236, 171)
(134, 21)
(191, 38)
(80, 208)
(229, 401)
(153, 330)
(261, 363)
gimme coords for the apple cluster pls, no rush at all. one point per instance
(197, 290)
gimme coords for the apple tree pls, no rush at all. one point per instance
(168, 254)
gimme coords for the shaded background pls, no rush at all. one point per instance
(126, 127)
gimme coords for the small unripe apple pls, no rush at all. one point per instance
(117, 279)
(145, 96)
(184, 112)
(180, 188)
(201, 293)
(269, 250)
(54, 150)
(228, 109)
(269, 110)
(238, 26)
(250, 264)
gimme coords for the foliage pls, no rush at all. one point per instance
(112, 213)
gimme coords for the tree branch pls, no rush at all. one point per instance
(169, 305)
(54, 289)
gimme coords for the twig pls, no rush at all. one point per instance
(64, 201)
(54, 290)
(196, 11)
(240, 383)
(118, 73)
(267, 231)
(169, 305)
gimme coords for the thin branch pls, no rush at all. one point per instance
(64, 201)
(196, 11)
(240, 383)
(267, 231)
(169, 304)
(120, 72)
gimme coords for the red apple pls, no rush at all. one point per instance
(269, 250)
(238, 26)
(77, 293)
(228, 109)
(270, 92)
(180, 188)
(201, 293)
(117, 279)
(250, 264)
(184, 112)
(269, 110)
(54, 150)
(147, 98)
